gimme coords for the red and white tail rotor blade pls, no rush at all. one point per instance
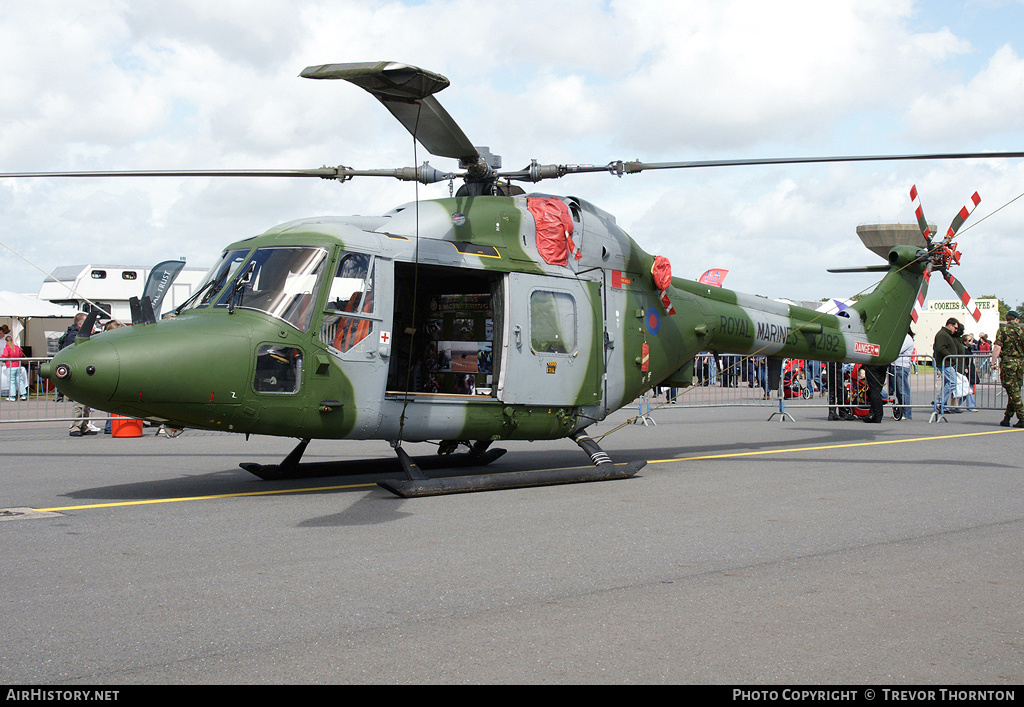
(968, 301)
(915, 313)
(962, 215)
(922, 223)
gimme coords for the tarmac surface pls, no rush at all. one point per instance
(746, 552)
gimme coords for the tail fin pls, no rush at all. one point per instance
(889, 309)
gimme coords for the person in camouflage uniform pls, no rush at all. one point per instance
(1008, 353)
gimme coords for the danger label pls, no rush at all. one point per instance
(863, 347)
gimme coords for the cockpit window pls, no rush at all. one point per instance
(348, 320)
(280, 281)
(352, 285)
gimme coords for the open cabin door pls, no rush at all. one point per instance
(552, 351)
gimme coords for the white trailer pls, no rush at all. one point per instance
(937, 312)
(109, 287)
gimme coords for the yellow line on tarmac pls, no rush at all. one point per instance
(828, 446)
(203, 498)
(313, 489)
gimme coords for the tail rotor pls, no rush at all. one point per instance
(915, 313)
(942, 254)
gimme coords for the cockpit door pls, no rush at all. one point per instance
(355, 330)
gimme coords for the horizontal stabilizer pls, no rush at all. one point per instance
(865, 268)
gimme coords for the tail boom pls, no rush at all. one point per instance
(870, 331)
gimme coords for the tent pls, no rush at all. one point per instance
(15, 306)
(16, 310)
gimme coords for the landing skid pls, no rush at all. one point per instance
(415, 484)
(310, 470)
(415, 488)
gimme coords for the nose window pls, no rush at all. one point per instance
(278, 369)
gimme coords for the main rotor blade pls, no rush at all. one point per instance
(424, 174)
(322, 172)
(428, 121)
(537, 172)
(407, 92)
(637, 166)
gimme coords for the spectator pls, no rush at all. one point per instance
(80, 426)
(945, 344)
(17, 383)
(900, 385)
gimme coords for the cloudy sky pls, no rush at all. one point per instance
(171, 84)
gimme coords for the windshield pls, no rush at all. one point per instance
(281, 281)
(215, 279)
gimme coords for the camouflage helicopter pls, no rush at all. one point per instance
(489, 315)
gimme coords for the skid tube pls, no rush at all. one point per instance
(290, 468)
(416, 485)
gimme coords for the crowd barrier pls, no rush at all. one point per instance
(41, 402)
(43, 406)
(729, 381)
(719, 381)
(975, 386)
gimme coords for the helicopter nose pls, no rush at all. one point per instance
(187, 370)
(86, 372)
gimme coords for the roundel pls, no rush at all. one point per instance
(653, 320)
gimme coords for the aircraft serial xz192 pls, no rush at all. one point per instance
(491, 315)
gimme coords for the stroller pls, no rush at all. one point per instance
(791, 385)
(857, 394)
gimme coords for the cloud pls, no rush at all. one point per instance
(190, 84)
(990, 104)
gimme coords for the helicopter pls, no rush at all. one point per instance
(489, 315)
